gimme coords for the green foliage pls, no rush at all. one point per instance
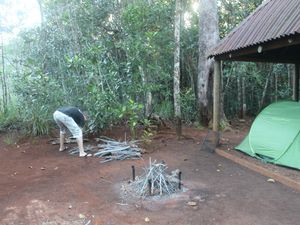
(232, 12)
(131, 113)
(199, 126)
(165, 109)
(9, 139)
(13, 137)
(255, 77)
(148, 45)
(188, 106)
(98, 54)
(146, 136)
(37, 125)
(37, 101)
(9, 120)
(103, 109)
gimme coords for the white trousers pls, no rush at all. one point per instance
(64, 121)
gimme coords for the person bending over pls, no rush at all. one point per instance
(72, 119)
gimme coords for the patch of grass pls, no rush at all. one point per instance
(10, 139)
(164, 109)
(147, 136)
(199, 126)
(10, 120)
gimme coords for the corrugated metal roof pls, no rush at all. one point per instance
(272, 20)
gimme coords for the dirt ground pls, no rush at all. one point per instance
(42, 186)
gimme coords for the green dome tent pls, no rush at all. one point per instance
(275, 135)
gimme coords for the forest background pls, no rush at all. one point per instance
(115, 60)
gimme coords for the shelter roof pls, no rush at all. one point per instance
(270, 33)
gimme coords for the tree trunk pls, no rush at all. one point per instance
(239, 95)
(276, 87)
(41, 11)
(208, 38)
(262, 100)
(291, 75)
(4, 80)
(148, 94)
(296, 83)
(177, 106)
(244, 106)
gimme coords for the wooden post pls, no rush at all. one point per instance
(216, 95)
(216, 101)
(296, 83)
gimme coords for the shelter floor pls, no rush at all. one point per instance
(40, 185)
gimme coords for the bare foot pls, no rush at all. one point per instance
(85, 155)
(65, 148)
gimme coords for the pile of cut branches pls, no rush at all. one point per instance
(109, 149)
(116, 150)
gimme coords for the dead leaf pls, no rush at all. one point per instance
(81, 216)
(192, 203)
